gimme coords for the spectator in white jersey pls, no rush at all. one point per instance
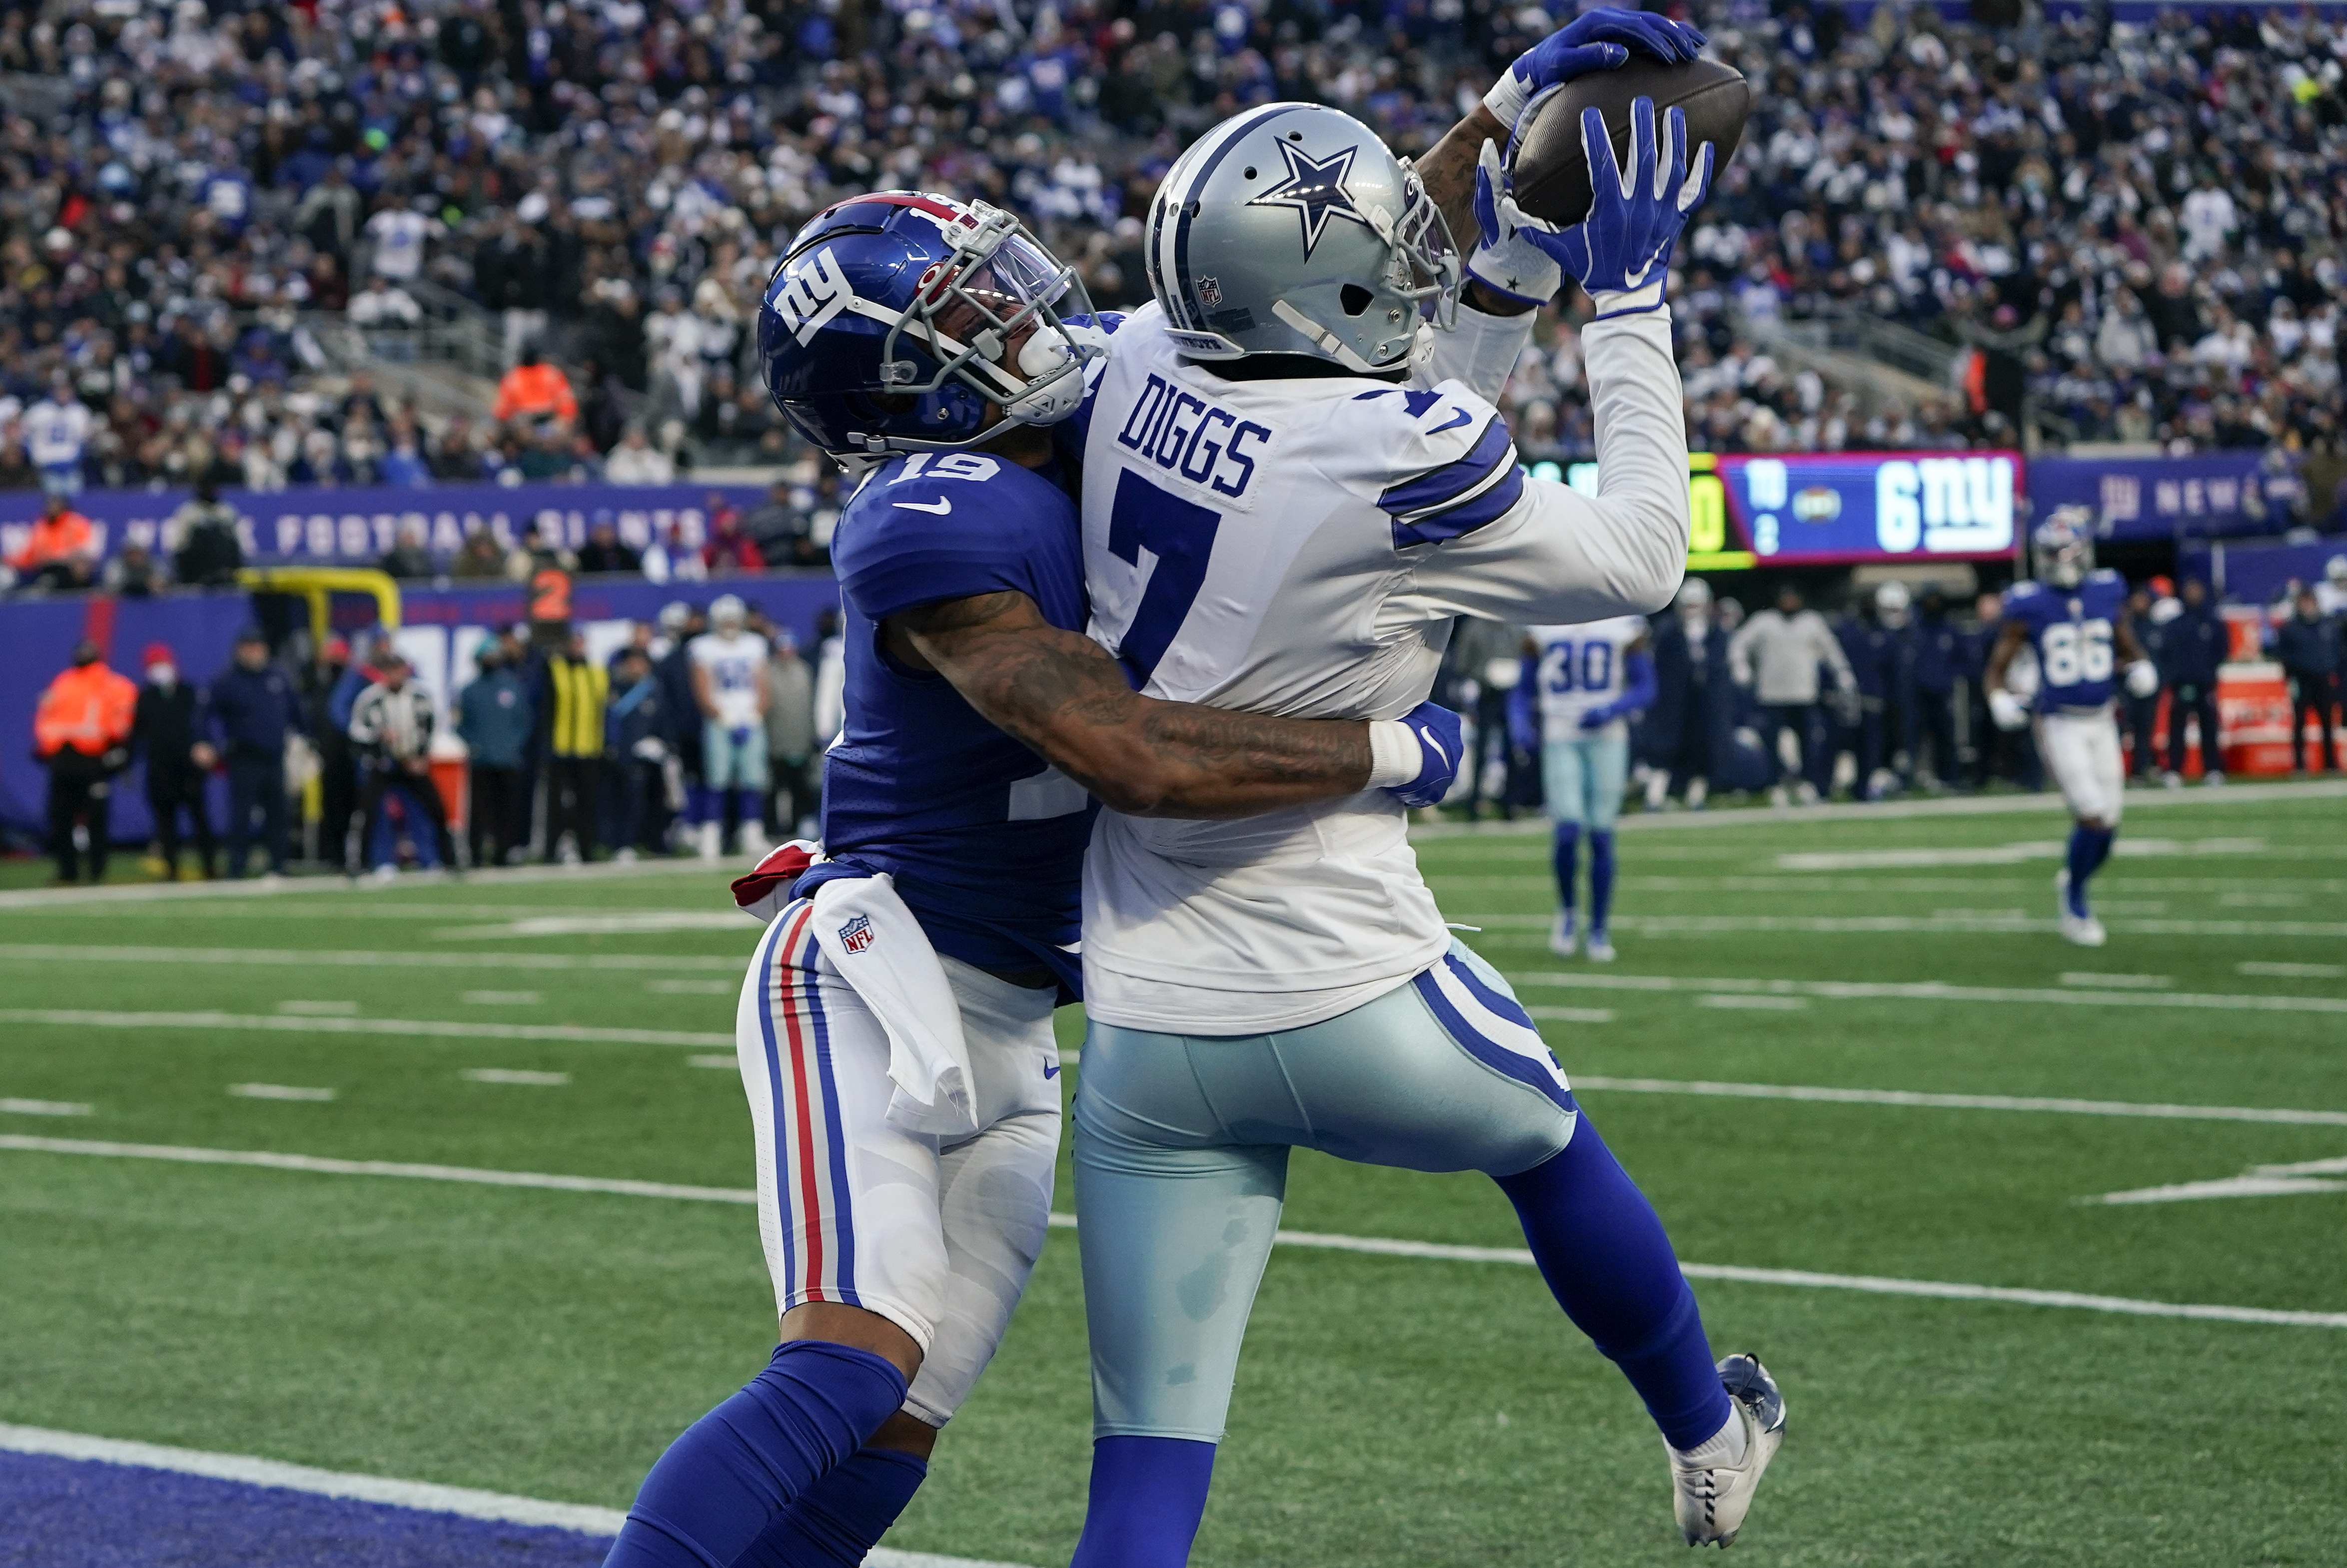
(729, 683)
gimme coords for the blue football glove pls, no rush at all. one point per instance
(1597, 40)
(1622, 251)
(1439, 753)
(1599, 718)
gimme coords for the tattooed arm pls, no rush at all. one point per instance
(1063, 695)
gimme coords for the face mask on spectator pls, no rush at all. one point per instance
(164, 676)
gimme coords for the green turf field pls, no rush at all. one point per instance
(1400, 1410)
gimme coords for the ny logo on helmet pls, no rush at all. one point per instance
(810, 294)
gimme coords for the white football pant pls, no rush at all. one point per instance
(937, 1238)
(2082, 752)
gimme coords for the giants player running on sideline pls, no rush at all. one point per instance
(2075, 619)
(1572, 710)
(895, 1030)
(1286, 504)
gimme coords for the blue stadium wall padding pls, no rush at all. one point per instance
(37, 638)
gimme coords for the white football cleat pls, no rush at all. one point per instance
(2213, 780)
(713, 840)
(1600, 949)
(1710, 1496)
(1559, 937)
(2083, 930)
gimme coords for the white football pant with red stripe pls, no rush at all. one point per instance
(936, 1236)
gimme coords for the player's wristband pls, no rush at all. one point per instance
(1394, 756)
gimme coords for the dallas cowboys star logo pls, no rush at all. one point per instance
(1314, 188)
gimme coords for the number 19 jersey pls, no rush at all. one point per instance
(1300, 547)
(2071, 631)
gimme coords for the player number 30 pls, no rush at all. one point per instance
(2077, 652)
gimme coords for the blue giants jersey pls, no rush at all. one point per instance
(985, 842)
(2072, 631)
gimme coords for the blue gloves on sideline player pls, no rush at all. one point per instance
(1597, 40)
(1622, 251)
(1437, 730)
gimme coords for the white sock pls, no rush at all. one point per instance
(1725, 1447)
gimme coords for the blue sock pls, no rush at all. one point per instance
(1148, 1495)
(701, 804)
(2089, 847)
(1568, 838)
(1600, 877)
(841, 1518)
(1611, 1267)
(747, 810)
(720, 1485)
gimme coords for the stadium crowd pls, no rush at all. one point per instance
(2141, 226)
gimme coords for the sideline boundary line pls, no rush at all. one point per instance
(311, 1024)
(356, 958)
(330, 882)
(421, 1496)
(1373, 1245)
(1894, 810)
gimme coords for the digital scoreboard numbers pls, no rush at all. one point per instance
(1832, 509)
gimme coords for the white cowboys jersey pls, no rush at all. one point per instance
(1580, 668)
(1300, 547)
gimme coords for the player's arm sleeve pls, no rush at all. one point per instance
(1837, 658)
(1552, 555)
(1480, 354)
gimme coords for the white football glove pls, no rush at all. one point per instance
(2143, 679)
(2007, 711)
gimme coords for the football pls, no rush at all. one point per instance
(1549, 174)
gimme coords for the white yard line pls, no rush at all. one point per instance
(2258, 1181)
(503, 998)
(278, 1092)
(2293, 971)
(1893, 810)
(1950, 921)
(423, 1496)
(730, 1062)
(1962, 1101)
(692, 987)
(1565, 1015)
(433, 1028)
(42, 1108)
(318, 1009)
(360, 958)
(322, 1165)
(514, 1075)
(637, 922)
(2119, 981)
(1752, 1002)
(2005, 854)
(1361, 1244)
(309, 888)
(1937, 991)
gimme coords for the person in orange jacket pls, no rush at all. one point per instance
(81, 733)
(62, 552)
(534, 391)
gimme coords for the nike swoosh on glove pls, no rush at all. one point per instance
(1597, 40)
(1438, 732)
(1622, 251)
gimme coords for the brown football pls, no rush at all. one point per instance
(1549, 174)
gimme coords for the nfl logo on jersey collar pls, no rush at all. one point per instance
(856, 934)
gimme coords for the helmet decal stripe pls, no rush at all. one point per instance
(1180, 278)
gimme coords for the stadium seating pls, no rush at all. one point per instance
(1936, 235)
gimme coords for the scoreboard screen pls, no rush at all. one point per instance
(1842, 508)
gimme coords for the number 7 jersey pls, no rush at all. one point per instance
(1301, 547)
(2071, 631)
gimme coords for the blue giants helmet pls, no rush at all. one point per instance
(895, 319)
(2062, 547)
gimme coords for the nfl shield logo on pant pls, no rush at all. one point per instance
(856, 934)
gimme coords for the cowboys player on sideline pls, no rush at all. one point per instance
(895, 1028)
(2075, 619)
(1292, 485)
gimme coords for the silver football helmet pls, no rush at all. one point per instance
(1291, 230)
